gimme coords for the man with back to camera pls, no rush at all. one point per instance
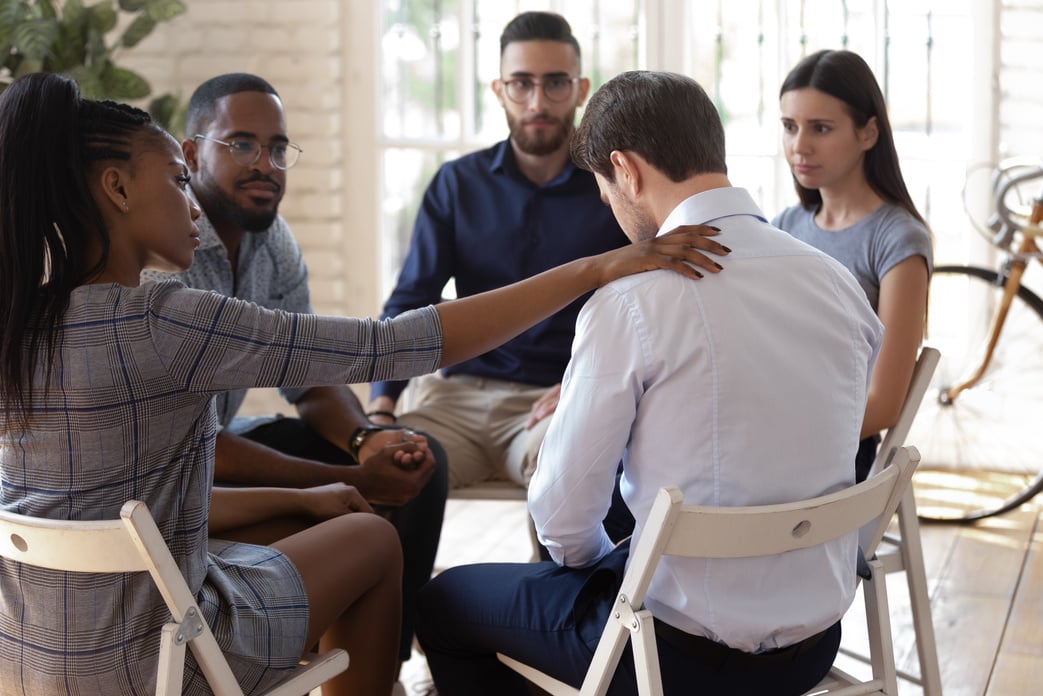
(745, 388)
(238, 151)
(491, 218)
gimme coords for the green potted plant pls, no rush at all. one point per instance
(84, 41)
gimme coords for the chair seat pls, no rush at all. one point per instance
(133, 543)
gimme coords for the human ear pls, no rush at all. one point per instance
(113, 182)
(582, 89)
(628, 175)
(497, 88)
(190, 149)
(869, 133)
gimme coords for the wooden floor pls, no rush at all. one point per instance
(986, 584)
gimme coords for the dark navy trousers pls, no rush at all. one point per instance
(551, 618)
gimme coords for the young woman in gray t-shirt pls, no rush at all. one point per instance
(854, 205)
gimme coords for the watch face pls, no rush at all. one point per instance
(360, 435)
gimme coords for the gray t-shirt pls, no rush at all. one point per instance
(869, 248)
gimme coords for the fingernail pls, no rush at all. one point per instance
(698, 274)
(715, 229)
(726, 249)
(719, 266)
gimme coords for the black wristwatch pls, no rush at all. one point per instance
(359, 436)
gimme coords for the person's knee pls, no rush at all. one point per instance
(376, 537)
(432, 602)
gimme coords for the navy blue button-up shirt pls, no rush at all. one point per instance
(483, 223)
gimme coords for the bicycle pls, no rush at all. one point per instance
(986, 398)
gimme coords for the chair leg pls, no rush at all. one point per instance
(171, 661)
(646, 656)
(878, 618)
(920, 601)
(606, 658)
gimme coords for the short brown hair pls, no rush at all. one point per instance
(666, 118)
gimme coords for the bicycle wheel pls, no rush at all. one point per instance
(982, 454)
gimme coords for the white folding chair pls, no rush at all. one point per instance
(133, 543)
(676, 529)
(905, 552)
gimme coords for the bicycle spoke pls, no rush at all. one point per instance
(982, 453)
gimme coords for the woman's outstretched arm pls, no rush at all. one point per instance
(478, 323)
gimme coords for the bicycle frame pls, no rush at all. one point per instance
(1015, 269)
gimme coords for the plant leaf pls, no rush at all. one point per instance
(89, 80)
(12, 14)
(102, 17)
(169, 112)
(141, 27)
(12, 11)
(47, 9)
(73, 12)
(164, 10)
(68, 49)
(122, 84)
(132, 5)
(97, 51)
(33, 38)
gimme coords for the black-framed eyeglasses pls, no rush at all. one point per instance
(556, 89)
(247, 151)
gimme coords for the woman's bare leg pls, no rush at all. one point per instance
(351, 567)
(266, 533)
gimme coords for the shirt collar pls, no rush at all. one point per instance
(504, 162)
(714, 204)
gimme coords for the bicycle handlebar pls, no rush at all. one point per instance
(1004, 223)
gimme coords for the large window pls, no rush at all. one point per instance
(438, 57)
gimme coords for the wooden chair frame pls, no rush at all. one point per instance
(133, 543)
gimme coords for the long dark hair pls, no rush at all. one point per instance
(50, 140)
(845, 76)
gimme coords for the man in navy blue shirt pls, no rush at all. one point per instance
(491, 218)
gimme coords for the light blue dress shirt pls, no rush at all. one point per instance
(745, 387)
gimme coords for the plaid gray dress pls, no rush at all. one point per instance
(128, 414)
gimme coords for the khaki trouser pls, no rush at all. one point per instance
(480, 423)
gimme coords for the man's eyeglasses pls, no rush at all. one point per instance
(555, 89)
(246, 152)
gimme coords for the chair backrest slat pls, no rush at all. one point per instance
(95, 546)
(926, 364)
(739, 532)
(131, 543)
(698, 531)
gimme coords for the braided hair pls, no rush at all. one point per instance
(51, 140)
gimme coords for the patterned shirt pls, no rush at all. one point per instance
(270, 271)
(128, 414)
